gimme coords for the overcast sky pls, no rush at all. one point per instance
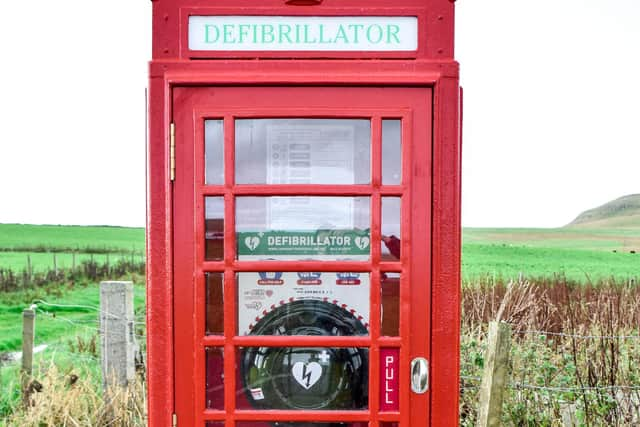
(551, 119)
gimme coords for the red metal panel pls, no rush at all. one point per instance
(184, 264)
(445, 240)
(159, 260)
(436, 264)
(445, 298)
(375, 303)
(435, 38)
(416, 251)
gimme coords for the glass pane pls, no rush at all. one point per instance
(391, 152)
(214, 424)
(304, 303)
(390, 424)
(389, 379)
(294, 228)
(303, 151)
(390, 313)
(214, 228)
(214, 304)
(214, 152)
(214, 368)
(390, 229)
(300, 424)
(303, 378)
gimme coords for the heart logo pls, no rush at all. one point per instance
(252, 242)
(362, 242)
(269, 293)
(307, 374)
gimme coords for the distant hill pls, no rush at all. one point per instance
(619, 213)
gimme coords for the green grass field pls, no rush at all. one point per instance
(63, 238)
(41, 261)
(39, 244)
(64, 312)
(582, 254)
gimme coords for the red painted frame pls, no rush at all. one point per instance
(432, 68)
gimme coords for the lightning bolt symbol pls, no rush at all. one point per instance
(306, 375)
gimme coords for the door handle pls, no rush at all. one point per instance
(419, 375)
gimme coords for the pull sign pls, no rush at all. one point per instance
(303, 33)
(419, 375)
(389, 379)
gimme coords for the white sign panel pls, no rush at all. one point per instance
(261, 293)
(303, 33)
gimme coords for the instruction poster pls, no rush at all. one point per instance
(304, 152)
(261, 293)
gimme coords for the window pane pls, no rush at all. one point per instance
(214, 151)
(391, 152)
(294, 228)
(215, 304)
(303, 151)
(303, 378)
(391, 244)
(214, 228)
(303, 303)
(390, 315)
(214, 368)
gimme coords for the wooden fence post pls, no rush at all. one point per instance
(29, 269)
(495, 376)
(117, 333)
(28, 337)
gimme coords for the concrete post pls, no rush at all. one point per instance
(117, 333)
(28, 337)
(494, 379)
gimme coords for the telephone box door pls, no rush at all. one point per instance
(302, 256)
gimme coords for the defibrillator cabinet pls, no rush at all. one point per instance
(303, 222)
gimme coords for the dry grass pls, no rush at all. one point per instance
(575, 356)
(66, 400)
(553, 306)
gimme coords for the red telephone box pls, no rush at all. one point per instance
(303, 234)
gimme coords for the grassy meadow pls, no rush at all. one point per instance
(67, 311)
(47, 246)
(581, 254)
(63, 238)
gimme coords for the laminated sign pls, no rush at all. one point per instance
(300, 245)
(261, 293)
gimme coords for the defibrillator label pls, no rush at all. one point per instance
(320, 244)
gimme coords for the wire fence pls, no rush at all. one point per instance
(560, 378)
(597, 375)
(74, 317)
